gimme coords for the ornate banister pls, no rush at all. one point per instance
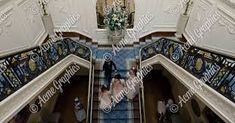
(216, 70)
(18, 69)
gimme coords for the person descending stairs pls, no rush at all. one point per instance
(125, 111)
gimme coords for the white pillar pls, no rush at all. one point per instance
(182, 22)
(48, 24)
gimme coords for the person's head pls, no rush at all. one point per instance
(170, 101)
(108, 60)
(104, 88)
(117, 76)
(76, 100)
(133, 71)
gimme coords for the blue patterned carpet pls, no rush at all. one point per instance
(123, 111)
(120, 58)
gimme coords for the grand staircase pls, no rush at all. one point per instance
(20, 70)
(125, 111)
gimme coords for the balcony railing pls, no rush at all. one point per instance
(216, 70)
(19, 69)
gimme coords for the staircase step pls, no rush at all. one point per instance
(126, 111)
(97, 70)
(131, 106)
(117, 115)
(142, 43)
(126, 114)
(118, 121)
(97, 114)
(82, 40)
(148, 40)
(96, 99)
(88, 43)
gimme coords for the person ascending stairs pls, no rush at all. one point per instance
(108, 69)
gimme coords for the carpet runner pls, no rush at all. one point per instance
(125, 111)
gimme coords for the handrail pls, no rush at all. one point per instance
(217, 71)
(16, 70)
(92, 93)
(142, 106)
(142, 100)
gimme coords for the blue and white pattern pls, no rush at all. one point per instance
(123, 111)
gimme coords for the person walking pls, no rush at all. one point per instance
(79, 110)
(108, 69)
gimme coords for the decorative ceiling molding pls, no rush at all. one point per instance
(199, 13)
(227, 20)
(60, 6)
(229, 26)
(31, 10)
(6, 21)
(230, 3)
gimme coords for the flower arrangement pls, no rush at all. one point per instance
(116, 18)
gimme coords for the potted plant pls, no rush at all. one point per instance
(116, 22)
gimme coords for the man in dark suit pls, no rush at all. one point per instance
(108, 68)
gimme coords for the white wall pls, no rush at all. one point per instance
(21, 26)
(163, 21)
(221, 36)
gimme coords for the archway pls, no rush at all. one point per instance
(102, 6)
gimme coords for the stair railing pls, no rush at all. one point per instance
(197, 61)
(18, 69)
(141, 99)
(92, 94)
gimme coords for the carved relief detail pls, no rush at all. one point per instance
(229, 26)
(5, 22)
(61, 7)
(31, 10)
(230, 3)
